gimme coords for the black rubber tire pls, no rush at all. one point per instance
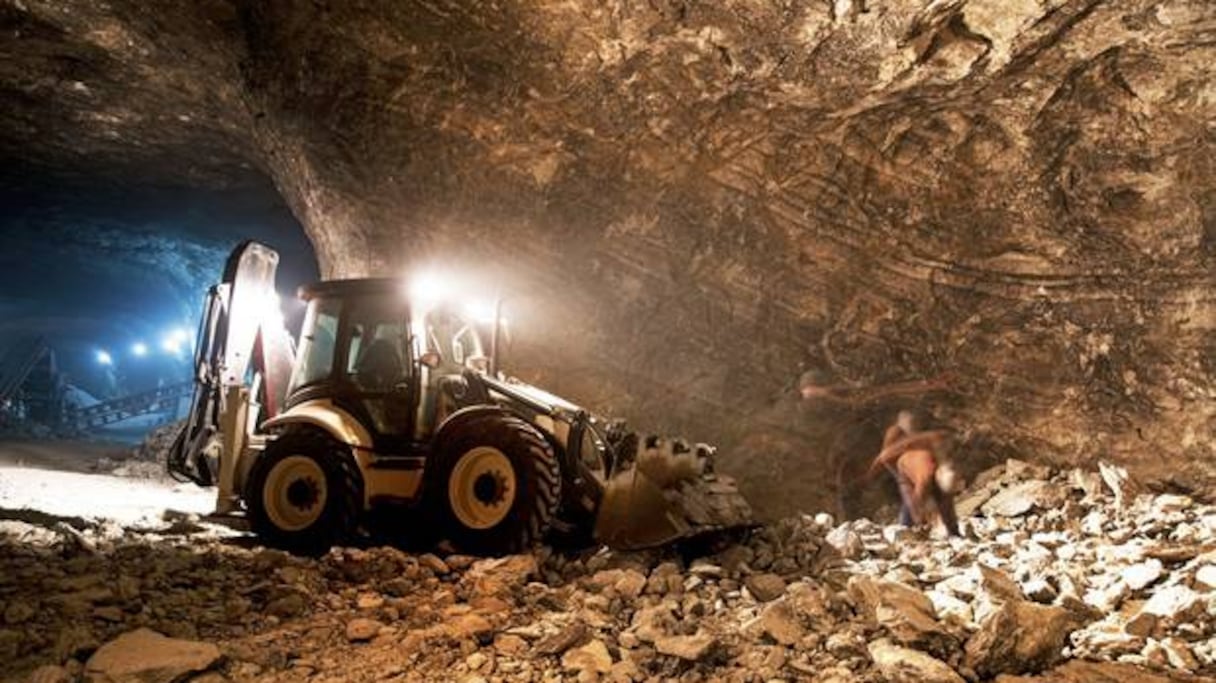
(344, 501)
(538, 485)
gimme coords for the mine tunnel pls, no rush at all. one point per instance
(679, 340)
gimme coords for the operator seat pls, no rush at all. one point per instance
(379, 367)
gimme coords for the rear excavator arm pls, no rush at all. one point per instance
(243, 360)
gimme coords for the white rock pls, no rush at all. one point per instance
(895, 534)
(1020, 499)
(1142, 575)
(846, 542)
(1050, 539)
(1039, 590)
(1205, 577)
(1184, 532)
(901, 575)
(1094, 524)
(1154, 653)
(904, 664)
(963, 586)
(1069, 587)
(705, 569)
(1119, 482)
(1117, 555)
(1179, 654)
(1106, 638)
(1175, 603)
(1109, 597)
(1168, 503)
(1086, 481)
(950, 607)
(1205, 651)
(1209, 523)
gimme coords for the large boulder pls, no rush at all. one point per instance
(145, 656)
(1021, 637)
(905, 613)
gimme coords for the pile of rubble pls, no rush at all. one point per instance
(156, 445)
(1064, 577)
(148, 459)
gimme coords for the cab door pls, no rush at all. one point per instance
(378, 375)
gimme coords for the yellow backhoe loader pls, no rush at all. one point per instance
(393, 409)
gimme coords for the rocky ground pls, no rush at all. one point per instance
(1071, 576)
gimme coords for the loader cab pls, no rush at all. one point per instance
(364, 348)
(356, 350)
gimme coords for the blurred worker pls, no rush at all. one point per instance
(927, 480)
(845, 415)
(905, 424)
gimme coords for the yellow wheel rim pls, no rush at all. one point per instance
(295, 493)
(482, 488)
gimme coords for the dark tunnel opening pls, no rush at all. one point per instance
(111, 278)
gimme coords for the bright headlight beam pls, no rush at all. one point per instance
(481, 311)
(104, 358)
(139, 349)
(427, 288)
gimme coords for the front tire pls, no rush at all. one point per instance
(305, 494)
(494, 485)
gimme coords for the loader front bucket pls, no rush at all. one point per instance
(669, 493)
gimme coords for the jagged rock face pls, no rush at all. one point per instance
(696, 202)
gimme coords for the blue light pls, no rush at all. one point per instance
(104, 358)
(176, 341)
(139, 349)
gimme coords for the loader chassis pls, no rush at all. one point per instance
(390, 409)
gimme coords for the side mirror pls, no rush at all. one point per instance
(431, 359)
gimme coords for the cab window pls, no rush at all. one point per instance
(377, 359)
(317, 343)
(454, 338)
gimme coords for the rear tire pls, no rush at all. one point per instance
(305, 494)
(493, 485)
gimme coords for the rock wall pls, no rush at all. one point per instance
(692, 204)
